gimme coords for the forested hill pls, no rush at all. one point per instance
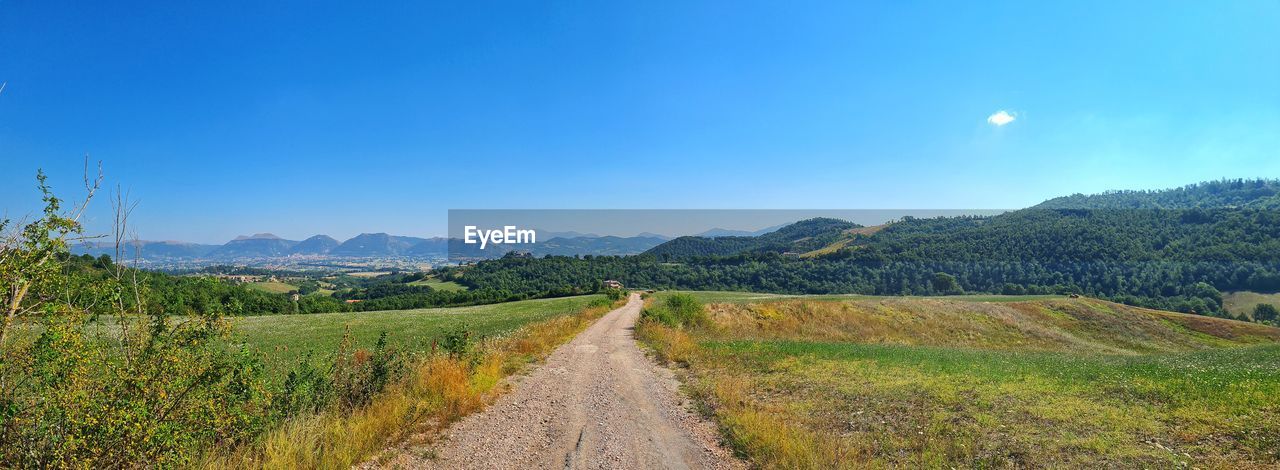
(802, 236)
(1229, 220)
(1177, 249)
(1253, 193)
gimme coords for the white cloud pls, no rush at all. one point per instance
(1002, 117)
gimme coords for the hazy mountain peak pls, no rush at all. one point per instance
(257, 236)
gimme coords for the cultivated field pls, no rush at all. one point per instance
(710, 297)
(439, 285)
(285, 338)
(1243, 302)
(937, 383)
(272, 287)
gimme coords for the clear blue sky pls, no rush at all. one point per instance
(230, 118)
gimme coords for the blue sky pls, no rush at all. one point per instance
(300, 118)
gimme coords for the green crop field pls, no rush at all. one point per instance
(959, 383)
(286, 338)
(439, 285)
(272, 287)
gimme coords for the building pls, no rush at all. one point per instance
(612, 284)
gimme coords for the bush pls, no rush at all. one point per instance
(157, 399)
(600, 303)
(457, 342)
(678, 311)
(359, 374)
(615, 294)
(1265, 312)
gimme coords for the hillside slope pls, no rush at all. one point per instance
(1066, 325)
(1253, 193)
(941, 383)
(803, 236)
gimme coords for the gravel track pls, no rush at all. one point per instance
(597, 402)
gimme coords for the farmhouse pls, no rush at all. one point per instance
(612, 284)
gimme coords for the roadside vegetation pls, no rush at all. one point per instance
(459, 375)
(105, 366)
(855, 383)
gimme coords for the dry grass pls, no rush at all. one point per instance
(1076, 325)
(1242, 303)
(923, 383)
(436, 391)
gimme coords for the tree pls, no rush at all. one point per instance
(946, 284)
(29, 261)
(1265, 312)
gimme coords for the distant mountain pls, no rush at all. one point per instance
(722, 232)
(1254, 193)
(577, 246)
(569, 234)
(599, 246)
(147, 249)
(431, 247)
(653, 235)
(256, 236)
(317, 245)
(367, 245)
(262, 245)
(800, 237)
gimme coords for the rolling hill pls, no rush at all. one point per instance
(800, 237)
(368, 245)
(316, 245)
(261, 245)
(165, 250)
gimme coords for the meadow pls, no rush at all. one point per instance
(274, 287)
(1242, 302)
(284, 339)
(438, 284)
(937, 383)
(709, 297)
(435, 387)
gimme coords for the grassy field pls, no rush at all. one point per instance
(745, 297)
(285, 338)
(437, 284)
(939, 383)
(435, 390)
(1243, 302)
(272, 287)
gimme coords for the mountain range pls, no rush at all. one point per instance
(367, 245)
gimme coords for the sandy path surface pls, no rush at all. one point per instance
(597, 402)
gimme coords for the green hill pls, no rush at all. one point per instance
(800, 237)
(1253, 193)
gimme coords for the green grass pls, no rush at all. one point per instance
(448, 286)
(745, 297)
(272, 287)
(926, 406)
(817, 382)
(1243, 302)
(286, 338)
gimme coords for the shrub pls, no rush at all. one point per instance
(615, 294)
(678, 311)
(457, 342)
(359, 374)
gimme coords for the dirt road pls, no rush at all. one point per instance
(598, 402)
